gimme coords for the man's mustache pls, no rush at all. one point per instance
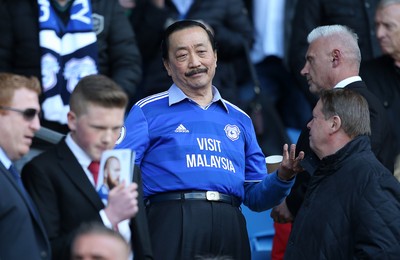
(195, 71)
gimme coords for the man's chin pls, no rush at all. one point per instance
(22, 153)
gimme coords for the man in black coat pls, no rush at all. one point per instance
(352, 204)
(332, 61)
(382, 74)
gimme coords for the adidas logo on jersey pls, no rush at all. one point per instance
(181, 129)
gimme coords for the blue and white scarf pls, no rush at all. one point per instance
(69, 52)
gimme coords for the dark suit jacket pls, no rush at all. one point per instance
(64, 195)
(381, 144)
(22, 235)
(381, 134)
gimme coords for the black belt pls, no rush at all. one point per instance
(195, 195)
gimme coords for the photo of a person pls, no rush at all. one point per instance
(112, 172)
(115, 168)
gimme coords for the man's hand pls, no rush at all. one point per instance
(122, 203)
(290, 165)
(281, 213)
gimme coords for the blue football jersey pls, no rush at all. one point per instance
(182, 146)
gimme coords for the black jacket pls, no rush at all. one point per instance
(382, 77)
(351, 209)
(118, 58)
(381, 143)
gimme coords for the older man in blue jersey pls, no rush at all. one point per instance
(199, 156)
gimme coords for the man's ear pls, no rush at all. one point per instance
(336, 57)
(335, 124)
(72, 120)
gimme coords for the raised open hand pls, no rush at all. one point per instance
(290, 165)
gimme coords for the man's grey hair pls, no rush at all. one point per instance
(346, 38)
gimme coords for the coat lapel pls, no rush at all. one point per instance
(73, 170)
(33, 212)
(29, 204)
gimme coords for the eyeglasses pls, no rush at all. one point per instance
(28, 114)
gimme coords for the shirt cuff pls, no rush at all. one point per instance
(105, 219)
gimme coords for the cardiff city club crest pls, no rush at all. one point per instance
(232, 132)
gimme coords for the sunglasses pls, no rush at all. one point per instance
(28, 114)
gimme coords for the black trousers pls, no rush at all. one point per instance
(195, 229)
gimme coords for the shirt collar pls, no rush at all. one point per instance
(4, 159)
(80, 155)
(176, 95)
(347, 81)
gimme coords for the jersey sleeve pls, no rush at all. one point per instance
(135, 133)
